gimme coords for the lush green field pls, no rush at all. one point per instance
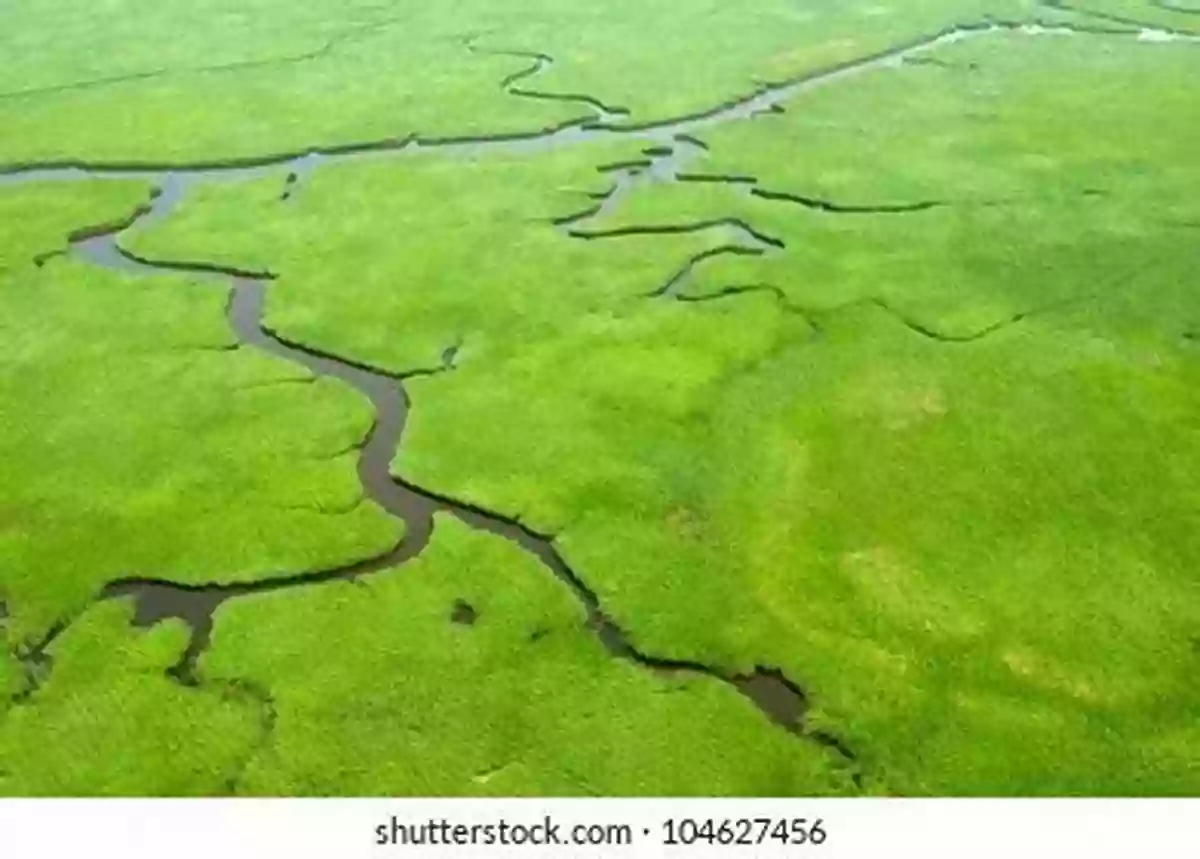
(138, 441)
(896, 391)
(117, 82)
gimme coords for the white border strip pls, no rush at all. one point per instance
(347, 829)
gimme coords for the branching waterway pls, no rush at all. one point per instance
(669, 147)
